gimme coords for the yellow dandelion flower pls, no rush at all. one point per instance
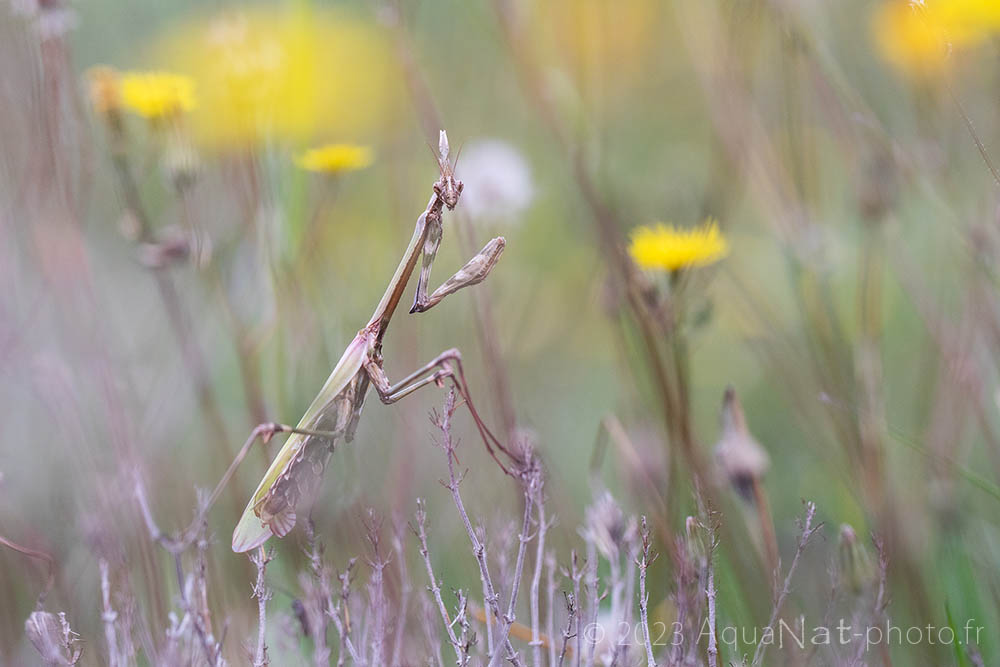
(918, 37)
(335, 158)
(604, 41)
(289, 74)
(157, 95)
(667, 248)
(105, 89)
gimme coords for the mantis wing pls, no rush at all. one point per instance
(251, 532)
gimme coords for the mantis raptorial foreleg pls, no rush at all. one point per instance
(474, 271)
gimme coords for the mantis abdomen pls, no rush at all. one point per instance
(300, 480)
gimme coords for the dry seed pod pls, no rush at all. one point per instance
(741, 460)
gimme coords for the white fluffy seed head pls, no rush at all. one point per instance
(498, 183)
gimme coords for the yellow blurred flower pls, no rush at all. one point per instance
(336, 158)
(105, 89)
(667, 248)
(598, 42)
(157, 95)
(918, 37)
(289, 74)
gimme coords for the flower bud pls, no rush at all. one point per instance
(105, 90)
(741, 460)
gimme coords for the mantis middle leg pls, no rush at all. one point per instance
(423, 376)
(448, 365)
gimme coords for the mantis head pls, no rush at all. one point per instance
(448, 188)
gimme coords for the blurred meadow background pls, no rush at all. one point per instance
(179, 264)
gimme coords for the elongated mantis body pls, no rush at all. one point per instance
(296, 472)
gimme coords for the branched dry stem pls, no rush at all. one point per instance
(419, 529)
(807, 531)
(260, 559)
(643, 565)
(536, 635)
(710, 590)
(569, 632)
(406, 589)
(492, 600)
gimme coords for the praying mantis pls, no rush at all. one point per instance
(295, 474)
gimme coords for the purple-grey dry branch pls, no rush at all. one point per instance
(568, 632)
(467, 637)
(807, 531)
(576, 575)
(880, 600)
(427, 623)
(443, 422)
(53, 638)
(644, 595)
(550, 605)
(523, 538)
(435, 587)
(340, 616)
(536, 636)
(710, 590)
(590, 585)
(406, 589)
(315, 609)
(110, 617)
(378, 605)
(260, 559)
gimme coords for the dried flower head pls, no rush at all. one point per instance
(336, 158)
(157, 95)
(667, 248)
(740, 458)
(498, 183)
(607, 526)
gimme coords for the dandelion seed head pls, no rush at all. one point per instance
(498, 182)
